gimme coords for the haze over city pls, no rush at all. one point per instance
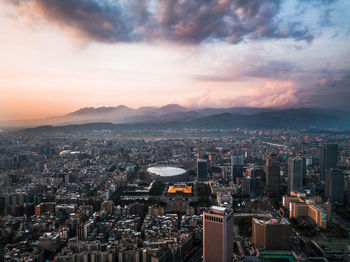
(60, 56)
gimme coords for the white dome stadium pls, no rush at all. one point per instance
(167, 173)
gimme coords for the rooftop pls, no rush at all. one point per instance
(219, 210)
(272, 221)
(183, 188)
(166, 171)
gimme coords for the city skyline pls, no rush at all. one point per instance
(57, 56)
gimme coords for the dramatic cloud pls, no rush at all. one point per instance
(250, 67)
(62, 55)
(272, 93)
(99, 20)
(189, 21)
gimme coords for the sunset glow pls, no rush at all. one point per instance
(54, 61)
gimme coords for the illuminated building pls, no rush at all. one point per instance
(180, 189)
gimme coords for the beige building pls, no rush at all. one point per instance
(218, 235)
(300, 206)
(272, 234)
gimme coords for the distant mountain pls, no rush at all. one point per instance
(123, 114)
(290, 118)
(234, 110)
(99, 110)
(300, 118)
(171, 108)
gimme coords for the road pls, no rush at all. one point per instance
(197, 257)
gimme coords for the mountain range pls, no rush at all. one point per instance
(177, 117)
(122, 114)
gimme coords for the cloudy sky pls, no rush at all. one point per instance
(57, 56)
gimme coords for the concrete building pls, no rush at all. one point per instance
(296, 172)
(329, 158)
(45, 207)
(272, 175)
(300, 206)
(272, 234)
(247, 186)
(224, 199)
(108, 206)
(236, 167)
(49, 241)
(218, 235)
(155, 210)
(334, 187)
(202, 169)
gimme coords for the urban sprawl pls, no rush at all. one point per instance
(234, 195)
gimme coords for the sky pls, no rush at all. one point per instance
(57, 56)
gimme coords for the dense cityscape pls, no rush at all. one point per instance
(238, 195)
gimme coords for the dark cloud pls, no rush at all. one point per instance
(330, 92)
(99, 20)
(189, 21)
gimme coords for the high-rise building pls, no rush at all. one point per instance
(272, 175)
(296, 172)
(202, 169)
(272, 234)
(236, 167)
(80, 231)
(247, 185)
(329, 158)
(218, 235)
(334, 189)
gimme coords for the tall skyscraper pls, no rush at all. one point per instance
(334, 189)
(247, 185)
(202, 169)
(236, 167)
(272, 175)
(296, 172)
(218, 235)
(272, 234)
(329, 158)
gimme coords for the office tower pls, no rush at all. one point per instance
(236, 167)
(272, 234)
(218, 235)
(329, 158)
(272, 175)
(296, 172)
(334, 189)
(80, 231)
(202, 169)
(247, 185)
